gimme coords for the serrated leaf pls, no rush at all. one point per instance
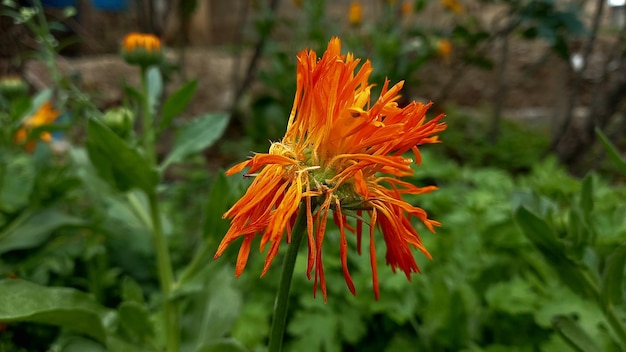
(116, 161)
(35, 229)
(199, 134)
(177, 102)
(613, 276)
(612, 151)
(22, 301)
(574, 335)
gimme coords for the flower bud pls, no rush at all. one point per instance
(142, 49)
(120, 120)
(13, 86)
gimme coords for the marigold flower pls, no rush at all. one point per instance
(355, 13)
(142, 49)
(452, 5)
(339, 153)
(44, 116)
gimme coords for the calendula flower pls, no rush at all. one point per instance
(142, 49)
(355, 13)
(44, 116)
(452, 5)
(340, 154)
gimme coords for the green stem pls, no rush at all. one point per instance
(282, 296)
(166, 276)
(148, 119)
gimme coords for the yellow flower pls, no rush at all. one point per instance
(44, 116)
(142, 49)
(355, 13)
(444, 48)
(453, 6)
(340, 153)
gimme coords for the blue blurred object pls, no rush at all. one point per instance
(110, 5)
(58, 3)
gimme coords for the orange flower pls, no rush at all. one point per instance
(339, 153)
(452, 5)
(444, 48)
(355, 13)
(141, 49)
(406, 8)
(44, 116)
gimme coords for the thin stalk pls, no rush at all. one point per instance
(282, 295)
(148, 120)
(166, 276)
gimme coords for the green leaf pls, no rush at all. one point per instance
(17, 183)
(35, 229)
(223, 345)
(586, 196)
(223, 308)
(539, 233)
(22, 301)
(221, 197)
(613, 276)
(574, 335)
(81, 344)
(177, 102)
(116, 161)
(131, 291)
(199, 134)
(135, 320)
(613, 152)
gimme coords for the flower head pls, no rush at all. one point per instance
(340, 154)
(44, 116)
(142, 49)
